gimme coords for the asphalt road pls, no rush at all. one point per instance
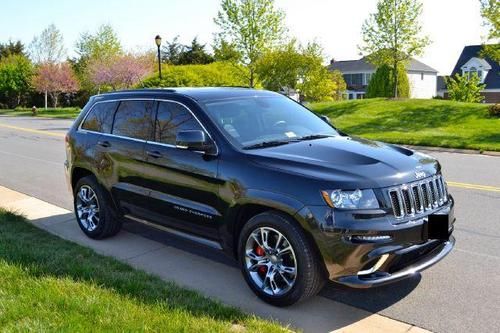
(459, 294)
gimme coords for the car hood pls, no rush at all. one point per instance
(348, 162)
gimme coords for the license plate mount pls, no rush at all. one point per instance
(438, 226)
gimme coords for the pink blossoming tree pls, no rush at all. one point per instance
(55, 79)
(120, 72)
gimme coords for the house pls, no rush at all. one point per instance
(357, 75)
(471, 61)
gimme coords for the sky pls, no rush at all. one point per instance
(336, 24)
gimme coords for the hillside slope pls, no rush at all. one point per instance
(423, 122)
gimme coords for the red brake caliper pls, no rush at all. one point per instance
(260, 252)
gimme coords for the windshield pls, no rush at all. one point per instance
(253, 121)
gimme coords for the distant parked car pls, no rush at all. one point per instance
(261, 177)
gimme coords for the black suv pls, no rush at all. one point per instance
(262, 178)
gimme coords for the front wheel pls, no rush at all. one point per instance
(277, 260)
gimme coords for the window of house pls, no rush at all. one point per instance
(368, 77)
(100, 118)
(357, 79)
(133, 119)
(422, 76)
(172, 118)
(347, 79)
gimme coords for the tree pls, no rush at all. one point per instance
(172, 51)
(382, 83)
(251, 27)
(281, 68)
(224, 51)
(490, 11)
(11, 48)
(293, 66)
(103, 44)
(100, 46)
(55, 79)
(465, 88)
(340, 85)
(48, 47)
(120, 72)
(392, 35)
(15, 78)
(195, 54)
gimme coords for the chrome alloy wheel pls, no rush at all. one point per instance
(87, 208)
(270, 261)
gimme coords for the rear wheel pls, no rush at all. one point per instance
(93, 212)
(277, 260)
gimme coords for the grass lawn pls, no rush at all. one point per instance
(64, 113)
(49, 284)
(425, 122)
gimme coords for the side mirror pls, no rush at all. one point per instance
(195, 140)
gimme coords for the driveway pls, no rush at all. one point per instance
(459, 294)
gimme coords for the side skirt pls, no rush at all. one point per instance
(193, 238)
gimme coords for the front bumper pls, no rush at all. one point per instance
(382, 278)
(366, 252)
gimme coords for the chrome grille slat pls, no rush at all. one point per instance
(418, 197)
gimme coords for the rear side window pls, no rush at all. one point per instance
(134, 119)
(100, 118)
(172, 118)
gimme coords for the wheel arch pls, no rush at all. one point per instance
(78, 173)
(257, 202)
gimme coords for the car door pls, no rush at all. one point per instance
(183, 183)
(122, 154)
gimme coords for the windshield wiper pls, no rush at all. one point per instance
(314, 137)
(265, 144)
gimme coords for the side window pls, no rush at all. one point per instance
(133, 119)
(172, 118)
(100, 118)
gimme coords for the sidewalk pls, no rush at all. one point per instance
(209, 277)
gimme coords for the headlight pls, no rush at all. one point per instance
(358, 199)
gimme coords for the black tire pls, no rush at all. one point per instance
(310, 276)
(109, 224)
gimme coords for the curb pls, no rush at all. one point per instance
(454, 150)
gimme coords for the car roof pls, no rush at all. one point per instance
(202, 94)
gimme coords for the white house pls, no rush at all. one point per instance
(357, 75)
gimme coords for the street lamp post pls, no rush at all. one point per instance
(158, 43)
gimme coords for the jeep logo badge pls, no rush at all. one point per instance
(419, 174)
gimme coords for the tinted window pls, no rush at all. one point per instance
(133, 119)
(100, 118)
(172, 118)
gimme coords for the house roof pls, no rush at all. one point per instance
(492, 80)
(362, 65)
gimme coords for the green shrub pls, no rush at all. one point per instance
(210, 75)
(382, 83)
(494, 110)
(465, 88)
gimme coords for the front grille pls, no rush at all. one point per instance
(416, 198)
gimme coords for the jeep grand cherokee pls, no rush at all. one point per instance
(262, 178)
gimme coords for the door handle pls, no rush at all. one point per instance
(153, 153)
(104, 144)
